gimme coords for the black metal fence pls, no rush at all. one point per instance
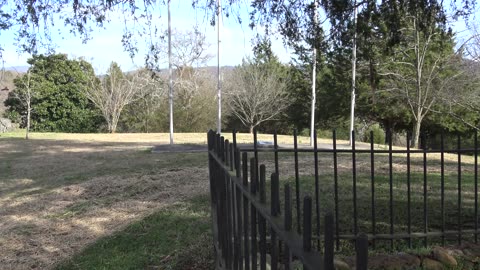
(252, 230)
(402, 198)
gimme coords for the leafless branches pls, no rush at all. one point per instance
(113, 92)
(25, 94)
(256, 94)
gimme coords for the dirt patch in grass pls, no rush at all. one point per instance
(59, 196)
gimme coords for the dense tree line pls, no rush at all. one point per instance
(411, 75)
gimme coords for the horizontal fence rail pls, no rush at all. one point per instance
(399, 197)
(253, 230)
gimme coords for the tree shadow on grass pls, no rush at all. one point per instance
(38, 166)
(177, 237)
(58, 196)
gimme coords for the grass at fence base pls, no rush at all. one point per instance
(382, 190)
(382, 205)
(178, 237)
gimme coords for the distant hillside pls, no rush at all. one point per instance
(21, 69)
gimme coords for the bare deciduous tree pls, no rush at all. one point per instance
(256, 93)
(114, 91)
(189, 54)
(25, 93)
(421, 72)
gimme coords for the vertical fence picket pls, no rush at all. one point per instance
(475, 153)
(288, 226)
(390, 182)
(232, 161)
(297, 180)
(335, 187)
(229, 231)
(238, 198)
(372, 177)
(262, 224)
(275, 195)
(354, 180)
(409, 199)
(425, 194)
(307, 224)
(227, 152)
(459, 190)
(253, 211)
(235, 148)
(246, 246)
(261, 187)
(275, 207)
(222, 148)
(442, 185)
(329, 243)
(317, 187)
(277, 169)
(275, 149)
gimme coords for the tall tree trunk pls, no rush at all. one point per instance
(416, 132)
(251, 129)
(354, 74)
(219, 89)
(28, 121)
(110, 126)
(373, 84)
(170, 75)
(314, 78)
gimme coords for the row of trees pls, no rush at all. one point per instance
(411, 75)
(60, 94)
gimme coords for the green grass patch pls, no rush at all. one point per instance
(178, 237)
(382, 203)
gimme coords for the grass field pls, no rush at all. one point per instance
(104, 201)
(61, 193)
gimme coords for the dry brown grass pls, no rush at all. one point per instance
(60, 193)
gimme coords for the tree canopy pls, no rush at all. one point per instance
(59, 103)
(33, 20)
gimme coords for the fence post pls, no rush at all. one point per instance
(253, 211)
(288, 225)
(335, 185)
(262, 223)
(354, 185)
(246, 246)
(390, 184)
(307, 224)
(297, 181)
(238, 198)
(329, 245)
(275, 207)
(361, 246)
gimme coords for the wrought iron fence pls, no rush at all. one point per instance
(401, 197)
(250, 230)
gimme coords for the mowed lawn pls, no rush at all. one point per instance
(61, 193)
(104, 201)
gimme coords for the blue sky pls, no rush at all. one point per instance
(105, 45)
